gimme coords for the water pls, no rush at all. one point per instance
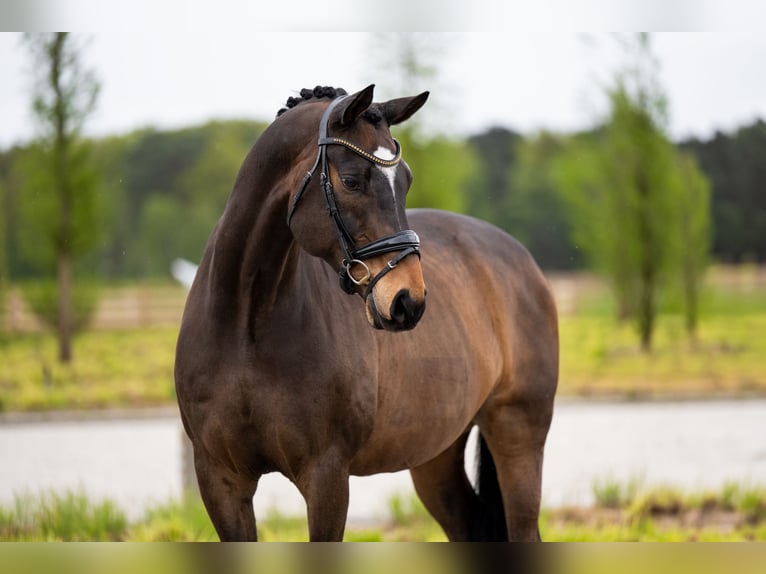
(137, 462)
(692, 445)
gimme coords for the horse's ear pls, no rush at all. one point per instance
(353, 106)
(401, 109)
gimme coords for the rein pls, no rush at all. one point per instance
(406, 241)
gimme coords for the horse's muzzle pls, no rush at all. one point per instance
(405, 313)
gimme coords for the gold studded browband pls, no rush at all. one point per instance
(330, 140)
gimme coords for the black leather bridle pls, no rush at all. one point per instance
(406, 241)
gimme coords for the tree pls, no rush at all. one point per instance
(734, 164)
(64, 184)
(441, 170)
(627, 194)
(488, 191)
(694, 234)
(534, 212)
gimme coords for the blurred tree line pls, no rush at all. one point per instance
(735, 164)
(161, 193)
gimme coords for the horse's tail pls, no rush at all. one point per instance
(489, 516)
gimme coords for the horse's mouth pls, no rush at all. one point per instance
(403, 317)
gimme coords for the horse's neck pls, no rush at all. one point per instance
(253, 249)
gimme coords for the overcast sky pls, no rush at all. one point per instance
(522, 81)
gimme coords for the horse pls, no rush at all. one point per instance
(305, 347)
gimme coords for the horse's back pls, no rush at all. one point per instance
(480, 256)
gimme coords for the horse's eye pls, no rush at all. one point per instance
(350, 183)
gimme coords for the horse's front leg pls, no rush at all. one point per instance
(324, 485)
(228, 498)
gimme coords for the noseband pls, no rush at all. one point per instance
(406, 241)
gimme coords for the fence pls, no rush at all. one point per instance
(119, 308)
(139, 306)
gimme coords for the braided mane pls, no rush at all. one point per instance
(307, 94)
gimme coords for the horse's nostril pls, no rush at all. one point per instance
(404, 309)
(401, 308)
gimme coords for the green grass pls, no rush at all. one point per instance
(70, 516)
(111, 369)
(662, 514)
(601, 356)
(611, 493)
(735, 513)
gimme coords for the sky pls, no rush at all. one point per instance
(524, 80)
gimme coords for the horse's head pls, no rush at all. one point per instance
(351, 170)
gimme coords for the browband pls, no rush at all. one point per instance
(363, 152)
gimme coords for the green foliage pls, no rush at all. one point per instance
(67, 517)
(663, 500)
(277, 527)
(611, 493)
(634, 204)
(733, 162)
(746, 499)
(167, 229)
(663, 513)
(693, 236)
(58, 200)
(536, 213)
(660, 513)
(184, 519)
(144, 199)
(169, 189)
(441, 168)
(41, 231)
(487, 191)
(406, 509)
(60, 179)
(411, 521)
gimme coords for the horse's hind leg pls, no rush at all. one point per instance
(446, 492)
(228, 498)
(515, 435)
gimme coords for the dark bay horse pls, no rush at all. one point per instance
(278, 369)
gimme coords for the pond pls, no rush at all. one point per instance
(137, 461)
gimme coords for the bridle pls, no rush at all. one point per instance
(406, 241)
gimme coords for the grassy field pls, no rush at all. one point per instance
(599, 357)
(622, 513)
(111, 369)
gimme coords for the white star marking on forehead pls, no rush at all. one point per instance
(389, 172)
